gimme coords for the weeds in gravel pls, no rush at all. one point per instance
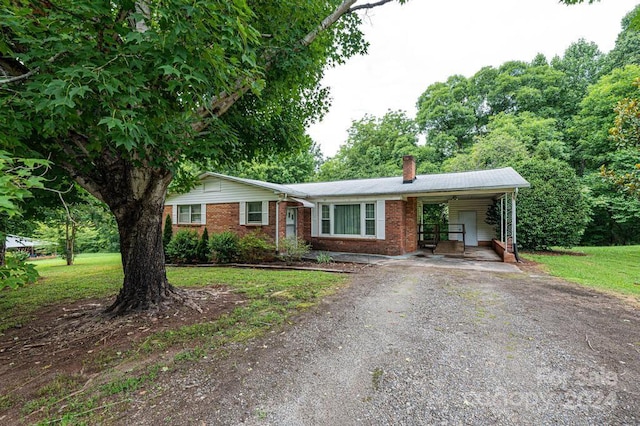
(376, 378)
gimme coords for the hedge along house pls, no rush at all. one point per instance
(376, 216)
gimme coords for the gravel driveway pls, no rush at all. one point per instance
(407, 344)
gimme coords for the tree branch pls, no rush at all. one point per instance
(30, 73)
(223, 101)
(369, 5)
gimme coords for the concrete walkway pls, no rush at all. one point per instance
(476, 258)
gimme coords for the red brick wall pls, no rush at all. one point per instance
(400, 227)
(226, 217)
(411, 225)
(400, 233)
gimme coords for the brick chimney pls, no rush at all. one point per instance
(408, 169)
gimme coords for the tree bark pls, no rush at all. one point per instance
(138, 212)
(135, 194)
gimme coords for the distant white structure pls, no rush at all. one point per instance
(15, 242)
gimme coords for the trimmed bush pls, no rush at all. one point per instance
(183, 247)
(167, 233)
(224, 247)
(204, 253)
(256, 247)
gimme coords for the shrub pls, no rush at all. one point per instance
(224, 246)
(292, 249)
(553, 212)
(256, 247)
(15, 272)
(203, 247)
(183, 247)
(167, 234)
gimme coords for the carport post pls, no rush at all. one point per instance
(502, 218)
(513, 219)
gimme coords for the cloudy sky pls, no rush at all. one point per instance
(425, 41)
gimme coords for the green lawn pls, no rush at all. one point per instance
(615, 269)
(100, 275)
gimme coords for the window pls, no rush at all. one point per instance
(348, 219)
(190, 214)
(254, 212)
(370, 219)
(326, 219)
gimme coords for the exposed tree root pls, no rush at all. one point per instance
(125, 304)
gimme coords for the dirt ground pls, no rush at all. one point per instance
(331, 365)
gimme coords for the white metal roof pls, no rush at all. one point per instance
(486, 180)
(14, 241)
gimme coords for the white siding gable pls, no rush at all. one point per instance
(229, 192)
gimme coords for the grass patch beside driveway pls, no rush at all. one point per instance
(614, 269)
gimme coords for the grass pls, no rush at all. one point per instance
(612, 269)
(272, 297)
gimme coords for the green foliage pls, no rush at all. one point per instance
(184, 247)
(627, 47)
(224, 246)
(296, 166)
(203, 247)
(92, 228)
(293, 249)
(167, 233)
(614, 214)
(448, 109)
(324, 258)
(553, 212)
(16, 272)
(109, 90)
(17, 178)
(375, 148)
(597, 115)
(256, 247)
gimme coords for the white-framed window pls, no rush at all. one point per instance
(348, 219)
(326, 219)
(254, 212)
(190, 213)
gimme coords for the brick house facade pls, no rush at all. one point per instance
(377, 216)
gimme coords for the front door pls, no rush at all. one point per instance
(292, 222)
(468, 218)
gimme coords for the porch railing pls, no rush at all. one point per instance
(430, 234)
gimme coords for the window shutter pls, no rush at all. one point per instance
(203, 214)
(314, 221)
(174, 214)
(380, 219)
(265, 213)
(243, 213)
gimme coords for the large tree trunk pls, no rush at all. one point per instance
(138, 213)
(135, 195)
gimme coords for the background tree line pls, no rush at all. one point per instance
(570, 122)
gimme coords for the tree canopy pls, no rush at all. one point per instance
(120, 93)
